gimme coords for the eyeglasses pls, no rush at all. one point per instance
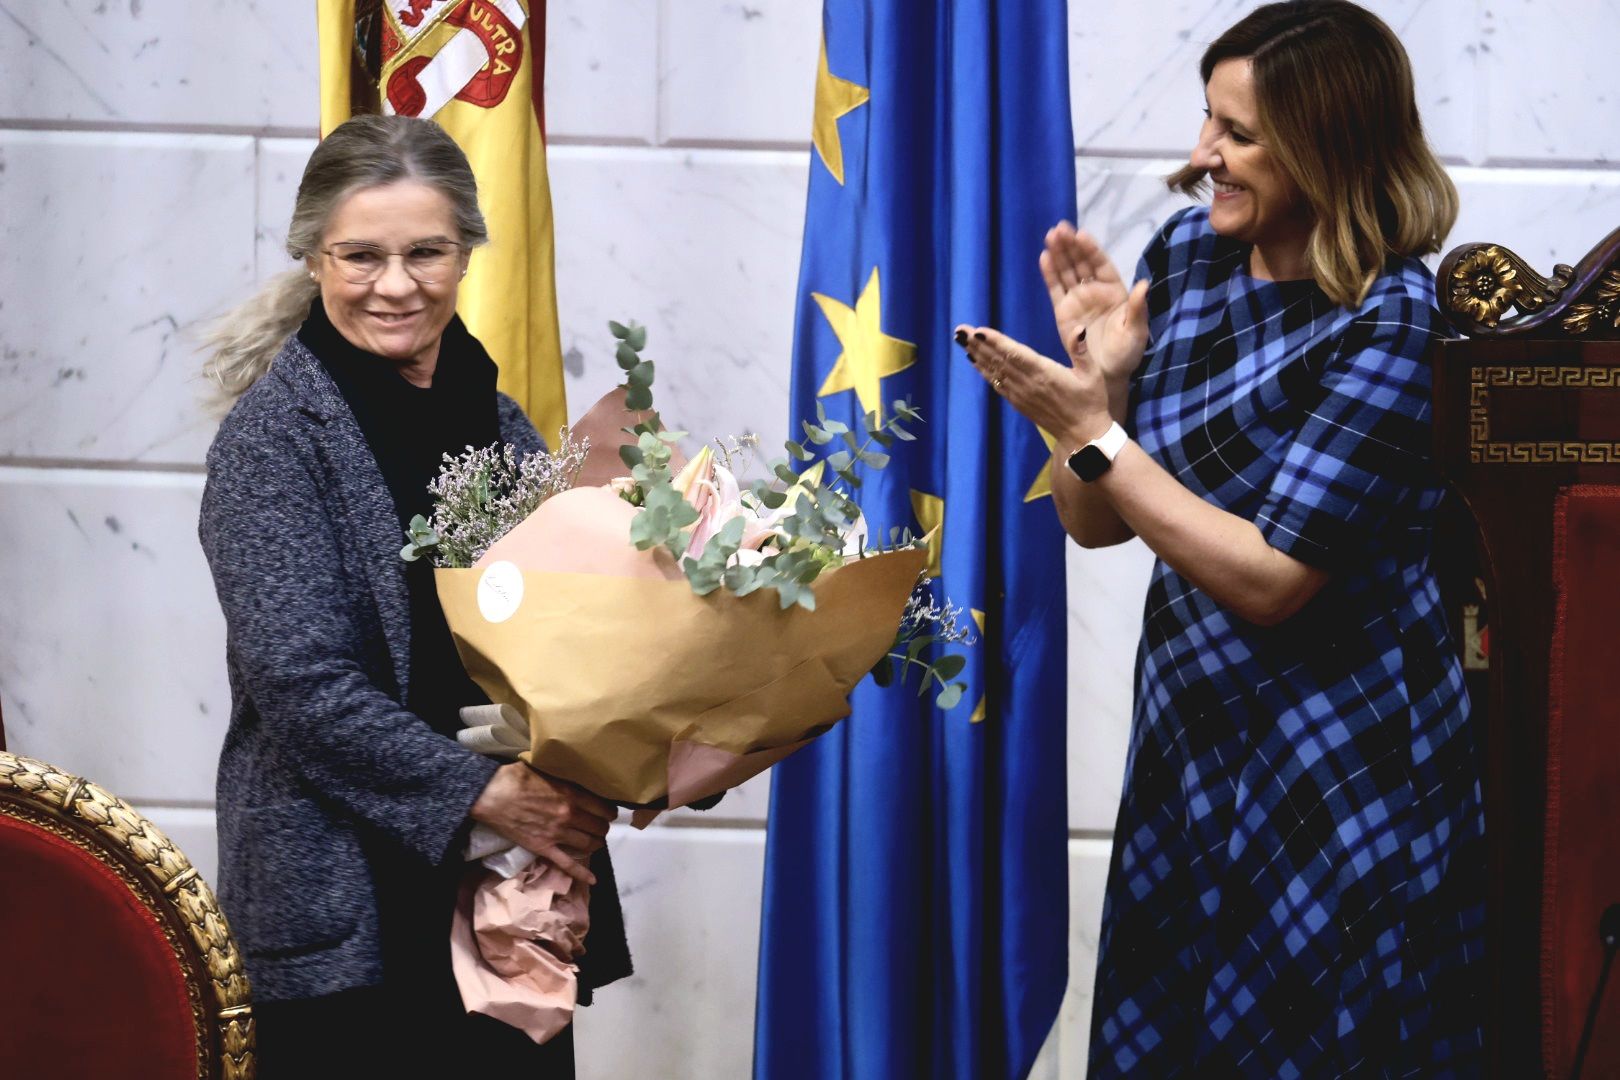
(361, 264)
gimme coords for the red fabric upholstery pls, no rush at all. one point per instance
(91, 985)
(1583, 779)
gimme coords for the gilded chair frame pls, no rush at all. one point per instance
(160, 876)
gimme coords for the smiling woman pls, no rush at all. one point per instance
(344, 797)
(1297, 877)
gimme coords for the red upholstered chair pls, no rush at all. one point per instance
(1527, 424)
(118, 962)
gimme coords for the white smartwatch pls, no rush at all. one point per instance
(1097, 456)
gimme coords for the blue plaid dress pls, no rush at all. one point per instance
(1297, 880)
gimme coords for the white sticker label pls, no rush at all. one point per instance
(500, 591)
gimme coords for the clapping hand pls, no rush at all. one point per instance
(1099, 320)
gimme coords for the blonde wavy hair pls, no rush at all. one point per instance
(1335, 94)
(364, 152)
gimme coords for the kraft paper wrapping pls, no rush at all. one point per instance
(621, 677)
(626, 683)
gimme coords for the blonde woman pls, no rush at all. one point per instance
(1296, 887)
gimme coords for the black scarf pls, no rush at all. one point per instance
(409, 430)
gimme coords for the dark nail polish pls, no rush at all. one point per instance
(1081, 336)
(978, 335)
(961, 337)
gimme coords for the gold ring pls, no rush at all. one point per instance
(995, 384)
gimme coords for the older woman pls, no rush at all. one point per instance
(343, 795)
(1296, 885)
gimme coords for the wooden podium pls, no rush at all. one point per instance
(1527, 428)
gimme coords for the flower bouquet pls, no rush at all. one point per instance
(657, 639)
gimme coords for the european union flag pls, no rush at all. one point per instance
(916, 886)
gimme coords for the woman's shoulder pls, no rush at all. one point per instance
(1403, 297)
(267, 411)
(516, 428)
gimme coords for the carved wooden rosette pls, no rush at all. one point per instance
(163, 879)
(1480, 284)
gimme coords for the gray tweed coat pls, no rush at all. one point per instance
(303, 540)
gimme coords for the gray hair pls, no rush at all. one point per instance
(363, 152)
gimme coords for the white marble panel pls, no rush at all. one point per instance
(117, 246)
(701, 246)
(691, 909)
(602, 70)
(1546, 89)
(738, 71)
(251, 64)
(1107, 588)
(1064, 1055)
(1135, 85)
(193, 831)
(112, 646)
(1547, 216)
(279, 167)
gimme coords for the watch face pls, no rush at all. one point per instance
(1089, 462)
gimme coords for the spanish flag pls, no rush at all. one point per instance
(477, 68)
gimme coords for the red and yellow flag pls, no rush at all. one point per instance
(476, 67)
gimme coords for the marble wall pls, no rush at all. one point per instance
(148, 156)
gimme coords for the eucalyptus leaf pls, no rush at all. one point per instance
(636, 337)
(637, 398)
(949, 666)
(626, 356)
(873, 459)
(950, 697)
(618, 330)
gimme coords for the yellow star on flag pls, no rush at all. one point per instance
(930, 512)
(1042, 487)
(835, 97)
(869, 354)
(977, 716)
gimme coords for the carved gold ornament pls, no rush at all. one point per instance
(1599, 308)
(163, 880)
(1483, 285)
(1489, 279)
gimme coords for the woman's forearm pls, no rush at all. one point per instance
(1222, 554)
(1087, 513)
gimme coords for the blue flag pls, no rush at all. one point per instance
(916, 885)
